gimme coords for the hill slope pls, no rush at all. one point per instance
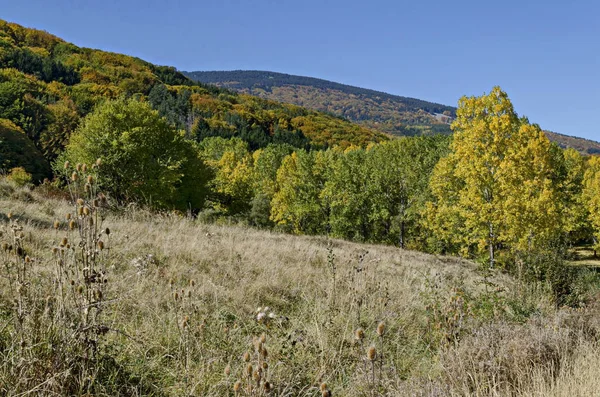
(385, 112)
(389, 113)
(177, 309)
(47, 85)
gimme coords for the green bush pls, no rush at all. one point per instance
(144, 159)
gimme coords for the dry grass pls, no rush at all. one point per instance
(182, 296)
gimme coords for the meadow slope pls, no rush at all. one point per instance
(179, 311)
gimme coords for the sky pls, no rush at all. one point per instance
(544, 54)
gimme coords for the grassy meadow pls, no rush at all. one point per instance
(123, 301)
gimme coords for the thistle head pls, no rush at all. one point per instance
(381, 329)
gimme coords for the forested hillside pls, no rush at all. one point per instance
(582, 145)
(48, 85)
(378, 110)
(373, 109)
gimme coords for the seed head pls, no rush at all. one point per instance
(56, 224)
(64, 241)
(74, 176)
(323, 386)
(68, 216)
(78, 167)
(98, 162)
(381, 329)
(72, 225)
(67, 164)
(237, 386)
(372, 353)
(359, 334)
(249, 370)
(227, 370)
(80, 202)
(90, 179)
(107, 231)
(86, 211)
(88, 188)
(246, 357)
(96, 203)
(267, 387)
(80, 289)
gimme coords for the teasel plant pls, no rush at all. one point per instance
(255, 374)
(80, 259)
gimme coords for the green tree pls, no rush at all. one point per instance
(298, 204)
(346, 193)
(399, 173)
(143, 157)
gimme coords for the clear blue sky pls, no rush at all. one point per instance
(545, 54)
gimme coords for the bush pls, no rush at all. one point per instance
(143, 158)
(19, 176)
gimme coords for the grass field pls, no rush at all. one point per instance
(164, 305)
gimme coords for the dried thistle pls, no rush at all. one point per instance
(359, 334)
(372, 353)
(381, 329)
(237, 386)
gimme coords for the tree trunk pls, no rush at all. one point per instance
(491, 246)
(401, 239)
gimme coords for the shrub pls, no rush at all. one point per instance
(19, 176)
(143, 158)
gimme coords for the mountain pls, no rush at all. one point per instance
(373, 109)
(385, 112)
(48, 85)
(582, 145)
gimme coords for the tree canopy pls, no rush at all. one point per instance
(143, 157)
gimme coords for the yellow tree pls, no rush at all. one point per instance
(495, 188)
(570, 168)
(591, 196)
(530, 194)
